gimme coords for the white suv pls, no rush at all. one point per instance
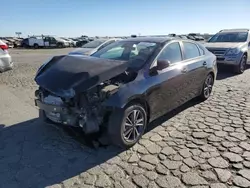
(5, 58)
(231, 47)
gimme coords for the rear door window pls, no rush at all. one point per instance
(202, 52)
(190, 50)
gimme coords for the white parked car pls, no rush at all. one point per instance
(59, 40)
(5, 58)
(71, 42)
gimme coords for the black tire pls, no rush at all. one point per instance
(207, 87)
(118, 122)
(242, 65)
(59, 45)
(36, 46)
(25, 45)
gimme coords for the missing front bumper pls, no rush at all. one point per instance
(58, 114)
(66, 116)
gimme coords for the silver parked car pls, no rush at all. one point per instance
(92, 47)
(5, 58)
(231, 47)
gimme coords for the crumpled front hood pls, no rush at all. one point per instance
(82, 51)
(66, 76)
(223, 44)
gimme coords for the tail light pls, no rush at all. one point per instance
(4, 47)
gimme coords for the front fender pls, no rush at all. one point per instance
(240, 55)
(124, 95)
(244, 48)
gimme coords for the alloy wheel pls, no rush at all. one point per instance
(208, 86)
(134, 125)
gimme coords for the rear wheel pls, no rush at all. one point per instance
(128, 125)
(25, 45)
(36, 46)
(242, 66)
(207, 87)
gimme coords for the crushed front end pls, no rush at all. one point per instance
(84, 110)
(72, 89)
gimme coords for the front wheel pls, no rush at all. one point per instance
(127, 126)
(242, 66)
(207, 87)
(36, 46)
(59, 45)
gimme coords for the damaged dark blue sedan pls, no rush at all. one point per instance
(124, 86)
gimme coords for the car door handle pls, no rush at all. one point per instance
(184, 70)
(204, 63)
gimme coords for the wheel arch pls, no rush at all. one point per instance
(245, 53)
(114, 120)
(142, 101)
(35, 45)
(212, 73)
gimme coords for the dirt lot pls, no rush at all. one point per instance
(200, 145)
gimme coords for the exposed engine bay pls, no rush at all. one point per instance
(85, 109)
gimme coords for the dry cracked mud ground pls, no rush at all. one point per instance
(199, 145)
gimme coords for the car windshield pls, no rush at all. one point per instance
(93, 44)
(229, 37)
(135, 52)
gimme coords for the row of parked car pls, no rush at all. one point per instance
(190, 36)
(12, 42)
(231, 47)
(119, 88)
(41, 41)
(45, 41)
(53, 41)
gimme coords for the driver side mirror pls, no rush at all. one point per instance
(162, 64)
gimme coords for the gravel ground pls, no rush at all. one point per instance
(199, 145)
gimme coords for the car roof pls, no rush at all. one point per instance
(114, 39)
(150, 39)
(102, 39)
(234, 30)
